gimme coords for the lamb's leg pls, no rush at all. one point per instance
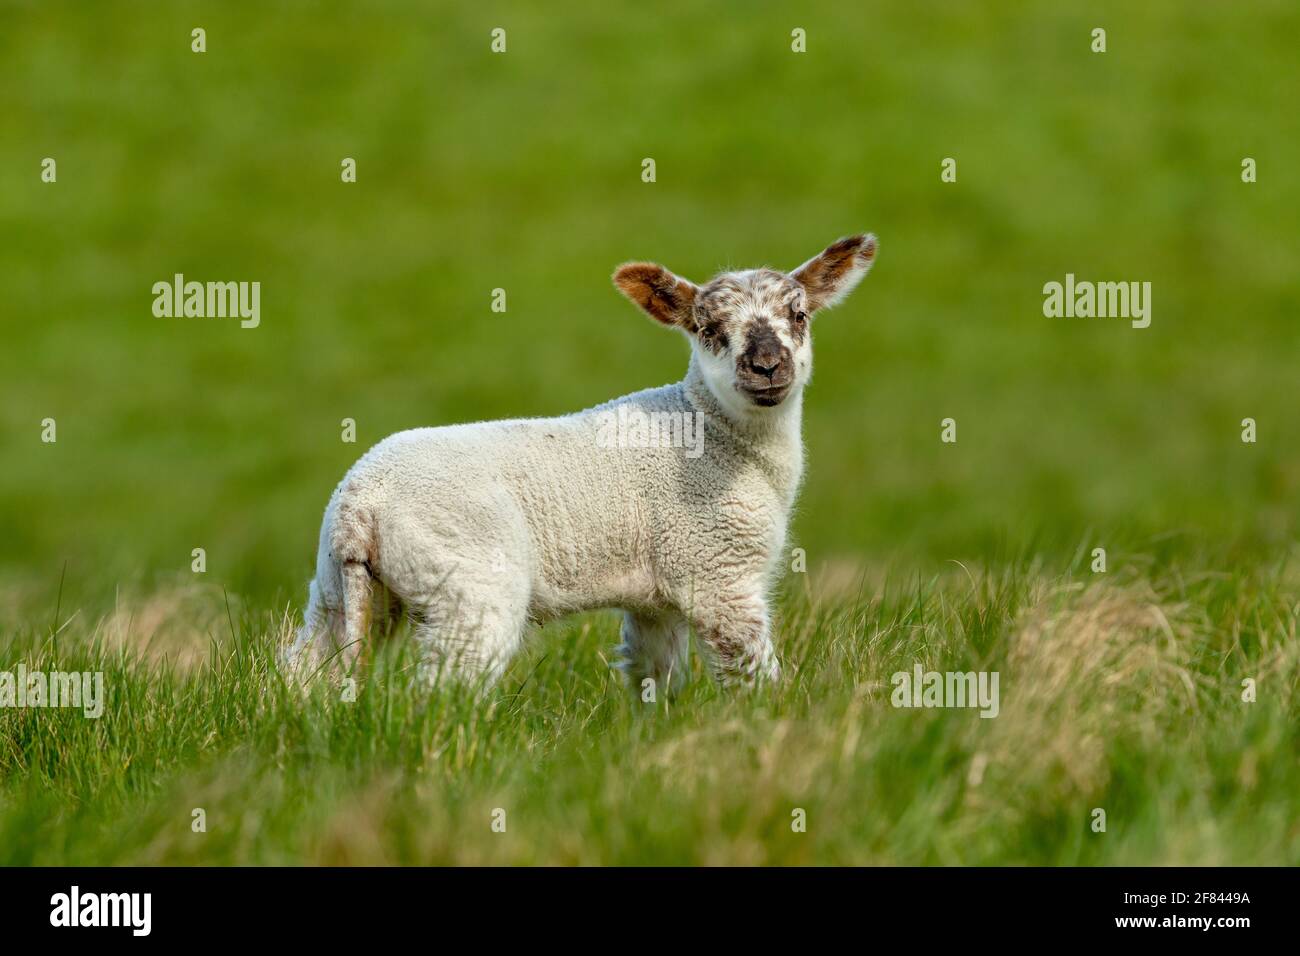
(736, 631)
(469, 630)
(316, 639)
(654, 647)
(474, 652)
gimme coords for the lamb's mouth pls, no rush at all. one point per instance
(766, 396)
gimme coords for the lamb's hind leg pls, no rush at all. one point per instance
(471, 628)
(315, 639)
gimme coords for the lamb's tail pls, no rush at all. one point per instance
(356, 612)
(337, 617)
(352, 541)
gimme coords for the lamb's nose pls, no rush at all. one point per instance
(765, 364)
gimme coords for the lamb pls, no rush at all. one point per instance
(478, 530)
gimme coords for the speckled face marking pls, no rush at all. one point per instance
(756, 321)
(750, 328)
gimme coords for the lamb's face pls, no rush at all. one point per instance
(751, 330)
(752, 337)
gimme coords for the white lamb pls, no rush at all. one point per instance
(479, 529)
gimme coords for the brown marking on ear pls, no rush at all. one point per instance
(829, 277)
(662, 295)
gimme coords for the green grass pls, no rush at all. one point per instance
(1116, 692)
(522, 172)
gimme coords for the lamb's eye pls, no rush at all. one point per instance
(800, 318)
(713, 338)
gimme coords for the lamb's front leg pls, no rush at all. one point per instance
(654, 647)
(736, 630)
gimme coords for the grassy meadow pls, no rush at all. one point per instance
(1121, 691)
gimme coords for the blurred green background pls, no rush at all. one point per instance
(522, 171)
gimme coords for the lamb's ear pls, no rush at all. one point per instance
(663, 296)
(829, 277)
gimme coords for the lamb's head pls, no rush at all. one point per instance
(750, 330)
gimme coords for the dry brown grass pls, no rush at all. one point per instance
(1086, 665)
